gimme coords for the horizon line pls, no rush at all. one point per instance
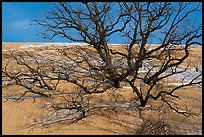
(80, 43)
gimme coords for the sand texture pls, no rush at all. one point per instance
(20, 117)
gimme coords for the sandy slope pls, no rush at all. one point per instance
(17, 117)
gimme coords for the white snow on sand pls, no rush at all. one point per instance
(51, 44)
(40, 44)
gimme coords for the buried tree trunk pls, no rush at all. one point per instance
(143, 102)
(116, 83)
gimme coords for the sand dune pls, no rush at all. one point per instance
(19, 116)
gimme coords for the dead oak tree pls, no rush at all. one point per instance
(94, 23)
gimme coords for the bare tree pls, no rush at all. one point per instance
(94, 23)
(99, 67)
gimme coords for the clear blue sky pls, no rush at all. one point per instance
(17, 16)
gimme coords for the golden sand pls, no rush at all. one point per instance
(18, 116)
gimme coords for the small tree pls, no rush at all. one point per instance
(96, 69)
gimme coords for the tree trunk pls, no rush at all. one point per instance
(143, 102)
(116, 83)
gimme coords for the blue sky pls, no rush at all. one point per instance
(17, 19)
